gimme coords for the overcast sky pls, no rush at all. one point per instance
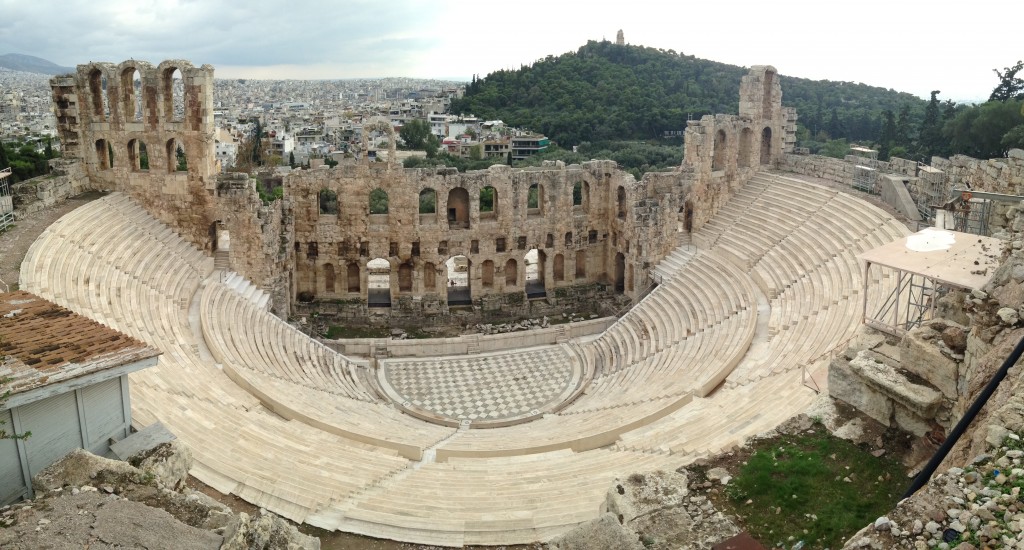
(913, 46)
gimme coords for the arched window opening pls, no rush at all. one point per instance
(104, 155)
(97, 92)
(535, 200)
(458, 208)
(766, 145)
(306, 283)
(329, 278)
(378, 201)
(550, 241)
(138, 157)
(620, 273)
(559, 268)
(378, 283)
(535, 260)
(511, 273)
(328, 201)
(621, 202)
(718, 158)
(766, 98)
(405, 277)
(581, 264)
(177, 161)
(428, 201)
(568, 239)
(458, 281)
(577, 194)
(487, 274)
(746, 159)
(174, 95)
(488, 202)
(131, 95)
(312, 251)
(429, 276)
(352, 277)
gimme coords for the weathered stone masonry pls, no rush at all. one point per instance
(609, 234)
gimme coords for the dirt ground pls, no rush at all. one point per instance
(15, 242)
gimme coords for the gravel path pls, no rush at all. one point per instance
(15, 242)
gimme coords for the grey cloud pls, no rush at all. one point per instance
(251, 33)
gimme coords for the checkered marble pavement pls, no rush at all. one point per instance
(484, 387)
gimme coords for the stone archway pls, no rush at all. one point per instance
(458, 284)
(379, 124)
(378, 283)
(766, 145)
(620, 273)
(457, 208)
(535, 265)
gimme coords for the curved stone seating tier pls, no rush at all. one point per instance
(723, 421)
(294, 427)
(301, 379)
(804, 259)
(264, 343)
(495, 501)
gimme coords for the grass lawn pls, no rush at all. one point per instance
(812, 487)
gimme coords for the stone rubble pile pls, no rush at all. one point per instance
(975, 507)
(85, 501)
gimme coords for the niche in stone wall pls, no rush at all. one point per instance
(718, 158)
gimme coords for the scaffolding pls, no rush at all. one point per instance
(6, 200)
(968, 211)
(925, 266)
(864, 178)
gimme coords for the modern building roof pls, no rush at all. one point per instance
(42, 343)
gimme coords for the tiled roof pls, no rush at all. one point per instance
(41, 342)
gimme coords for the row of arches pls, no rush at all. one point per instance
(139, 156)
(454, 277)
(744, 157)
(130, 95)
(457, 205)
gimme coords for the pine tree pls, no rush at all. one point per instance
(888, 136)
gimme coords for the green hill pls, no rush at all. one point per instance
(608, 92)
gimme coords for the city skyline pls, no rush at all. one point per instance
(908, 46)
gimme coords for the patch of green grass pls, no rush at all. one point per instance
(340, 331)
(797, 488)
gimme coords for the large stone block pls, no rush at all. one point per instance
(923, 353)
(846, 385)
(921, 400)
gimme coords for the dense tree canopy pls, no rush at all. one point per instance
(606, 92)
(25, 160)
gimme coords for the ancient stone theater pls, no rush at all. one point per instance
(742, 282)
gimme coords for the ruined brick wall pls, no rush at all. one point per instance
(999, 175)
(616, 215)
(113, 126)
(721, 152)
(260, 237)
(66, 179)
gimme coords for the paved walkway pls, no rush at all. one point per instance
(487, 387)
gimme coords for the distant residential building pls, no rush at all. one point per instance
(528, 145)
(496, 148)
(282, 144)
